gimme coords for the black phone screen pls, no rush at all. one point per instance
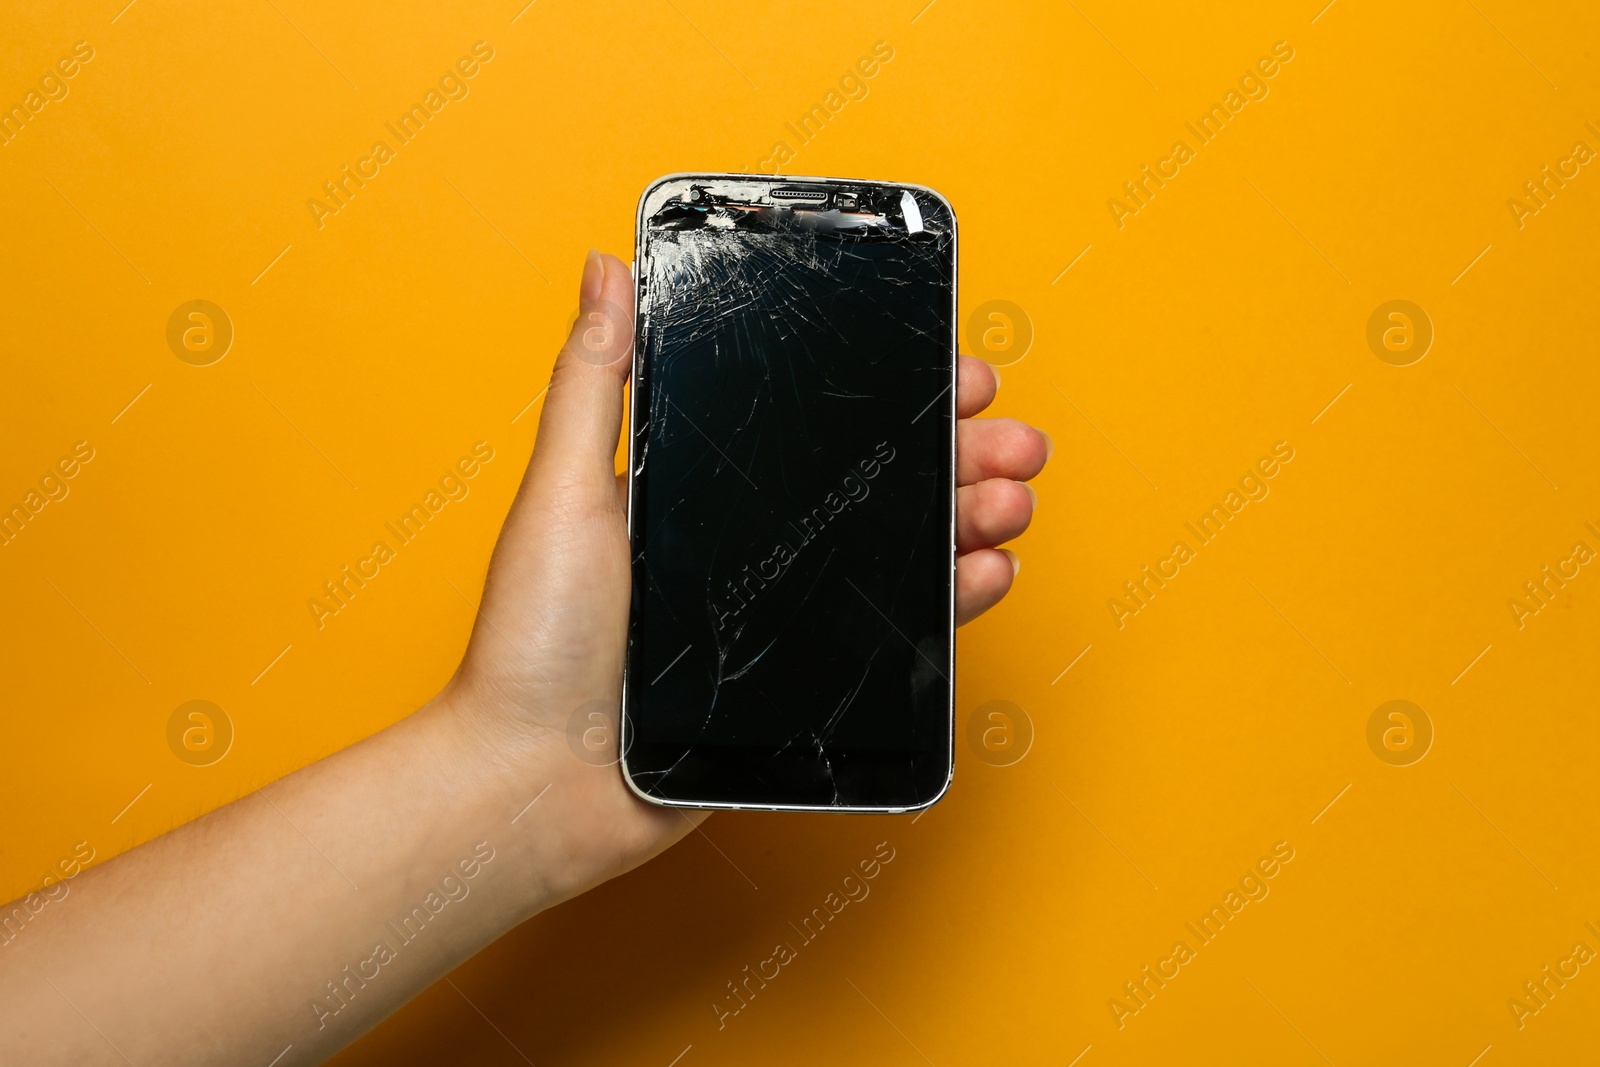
(792, 511)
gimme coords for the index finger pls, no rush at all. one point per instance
(976, 383)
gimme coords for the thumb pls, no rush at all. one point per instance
(582, 417)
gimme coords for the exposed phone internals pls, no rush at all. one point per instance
(791, 495)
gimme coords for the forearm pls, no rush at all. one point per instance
(299, 915)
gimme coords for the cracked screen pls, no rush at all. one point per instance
(791, 638)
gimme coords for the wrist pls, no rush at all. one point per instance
(554, 812)
(484, 776)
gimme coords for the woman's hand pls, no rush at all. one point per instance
(553, 631)
(344, 889)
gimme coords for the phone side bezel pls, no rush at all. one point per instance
(633, 433)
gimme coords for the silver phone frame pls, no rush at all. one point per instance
(634, 376)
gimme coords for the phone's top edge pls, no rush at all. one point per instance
(780, 179)
(785, 179)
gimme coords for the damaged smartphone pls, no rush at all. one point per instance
(791, 640)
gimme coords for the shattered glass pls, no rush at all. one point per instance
(792, 510)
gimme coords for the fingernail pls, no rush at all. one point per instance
(1016, 564)
(1032, 495)
(1049, 446)
(594, 277)
(996, 377)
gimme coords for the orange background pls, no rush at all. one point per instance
(1223, 317)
